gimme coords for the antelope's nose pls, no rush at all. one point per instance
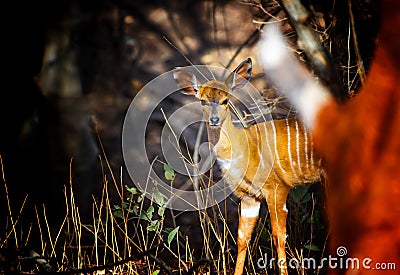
(214, 121)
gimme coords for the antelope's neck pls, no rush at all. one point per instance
(230, 141)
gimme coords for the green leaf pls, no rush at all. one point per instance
(172, 234)
(153, 226)
(136, 209)
(168, 172)
(161, 211)
(311, 247)
(148, 215)
(158, 197)
(150, 211)
(140, 198)
(118, 214)
(132, 190)
(168, 168)
(143, 216)
(168, 176)
(155, 272)
(126, 205)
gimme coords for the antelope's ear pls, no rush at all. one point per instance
(240, 76)
(187, 81)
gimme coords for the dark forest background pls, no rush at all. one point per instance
(71, 68)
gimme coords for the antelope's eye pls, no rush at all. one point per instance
(203, 102)
(224, 102)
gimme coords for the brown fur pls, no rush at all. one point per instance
(361, 146)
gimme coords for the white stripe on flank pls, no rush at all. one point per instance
(259, 148)
(276, 149)
(298, 146)
(261, 165)
(306, 145)
(267, 140)
(312, 150)
(289, 151)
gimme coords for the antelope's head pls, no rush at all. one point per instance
(214, 95)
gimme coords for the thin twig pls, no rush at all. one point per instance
(312, 47)
(196, 153)
(361, 68)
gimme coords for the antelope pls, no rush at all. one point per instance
(263, 161)
(362, 150)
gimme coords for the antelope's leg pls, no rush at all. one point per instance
(249, 211)
(276, 201)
